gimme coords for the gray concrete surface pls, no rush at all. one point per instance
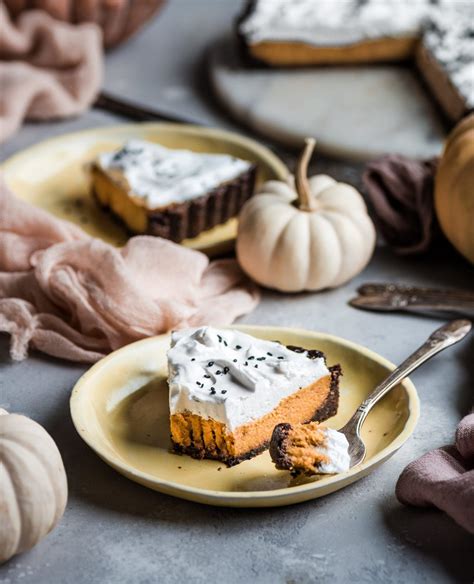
(115, 531)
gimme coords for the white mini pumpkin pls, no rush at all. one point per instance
(312, 236)
(33, 484)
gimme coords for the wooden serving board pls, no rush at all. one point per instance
(353, 112)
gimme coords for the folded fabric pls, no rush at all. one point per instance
(444, 478)
(400, 191)
(48, 69)
(75, 297)
(118, 19)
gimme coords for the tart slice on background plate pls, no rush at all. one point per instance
(175, 194)
(55, 174)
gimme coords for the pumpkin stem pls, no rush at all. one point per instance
(306, 200)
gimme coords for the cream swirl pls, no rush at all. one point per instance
(335, 448)
(160, 176)
(232, 377)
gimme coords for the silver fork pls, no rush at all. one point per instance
(444, 337)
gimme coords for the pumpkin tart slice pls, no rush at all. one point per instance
(175, 194)
(228, 391)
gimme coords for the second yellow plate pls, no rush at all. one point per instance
(120, 408)
(52, 174)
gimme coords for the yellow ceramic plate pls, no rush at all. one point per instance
(120, 408)
(52, 174)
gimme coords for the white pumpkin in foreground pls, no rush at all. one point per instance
(33, 485)
(314, 236)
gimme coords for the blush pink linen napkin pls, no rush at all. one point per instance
(48, 69)
(78, 298)
(444, 478)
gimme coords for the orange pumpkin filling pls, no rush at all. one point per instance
(207, 438)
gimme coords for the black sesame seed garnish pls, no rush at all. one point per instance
(269, 354)
(238, 347)
(261, 358)
(207, 376)
(210, 364)
(281, 357)
(225, 343)
(218, 372)
(251, 357)
(256, 366)
(220, 338)
(213, 390)
(245, 364)
(224, 391)
(235, 360)
(226, 370)
(193, 359)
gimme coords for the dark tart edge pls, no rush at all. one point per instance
(326, 410)
(190, 218)
(244, 47)
(247, 8)
(278, 445)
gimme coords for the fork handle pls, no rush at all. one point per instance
(121, 107)
(392, 303)
(447, 335)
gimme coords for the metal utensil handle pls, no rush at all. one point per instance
(461, 306)
(448, 295)
(444, 337)
(112, 104)
(392, 303)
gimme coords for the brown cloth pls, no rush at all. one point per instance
(48, 69)
(400, 191)
(444, 478)
(118, 19)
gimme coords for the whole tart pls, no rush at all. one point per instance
(175, 194)
(327, 32)
(228, 390)
(437, 34)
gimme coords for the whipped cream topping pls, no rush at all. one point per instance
(449, 37)
(336, 449)
(333, 22)
(232, 377)
(160, 176)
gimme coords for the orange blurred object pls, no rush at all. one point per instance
(118, 19)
